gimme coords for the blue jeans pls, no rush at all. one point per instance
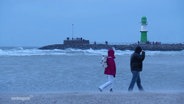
(135, 78)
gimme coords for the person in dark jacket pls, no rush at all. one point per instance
(110, 70)
(136, 67)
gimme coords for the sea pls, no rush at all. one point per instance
(28, 69)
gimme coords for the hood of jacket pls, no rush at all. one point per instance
(111, 53)
(138, 49)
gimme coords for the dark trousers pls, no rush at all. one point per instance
(135, 78)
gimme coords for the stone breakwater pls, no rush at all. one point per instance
(151, 47)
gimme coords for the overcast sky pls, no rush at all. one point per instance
(43, 22)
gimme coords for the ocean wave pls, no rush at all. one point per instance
(19, 51)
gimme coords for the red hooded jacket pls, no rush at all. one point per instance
(111, 65)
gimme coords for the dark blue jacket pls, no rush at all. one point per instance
(136, 59)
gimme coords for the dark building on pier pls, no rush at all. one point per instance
(76, 41)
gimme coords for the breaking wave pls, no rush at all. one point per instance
(20, 51)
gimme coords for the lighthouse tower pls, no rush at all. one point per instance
(143, 30)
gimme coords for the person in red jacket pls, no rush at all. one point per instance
(110, 71)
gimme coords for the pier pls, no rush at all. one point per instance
(80, 43)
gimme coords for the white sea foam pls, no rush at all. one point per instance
(19, 51)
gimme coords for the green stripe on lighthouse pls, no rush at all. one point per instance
(144, 36)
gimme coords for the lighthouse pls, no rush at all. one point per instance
(143, 30)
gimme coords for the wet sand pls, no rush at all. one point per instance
(93, 98)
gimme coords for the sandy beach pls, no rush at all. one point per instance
(94, 98)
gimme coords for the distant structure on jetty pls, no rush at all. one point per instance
(80, 43)
(144, 30)
(76, 41)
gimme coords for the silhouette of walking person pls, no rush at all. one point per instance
(136, 67)
(110, 71)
